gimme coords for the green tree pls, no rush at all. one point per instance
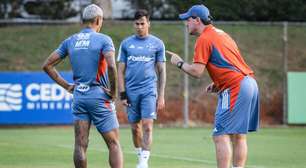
(45, 9)
(53, 9)
(246, 10)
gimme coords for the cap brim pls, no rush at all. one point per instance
(184, 16)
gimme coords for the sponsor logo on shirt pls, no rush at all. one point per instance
(139, 58)
(82, 87)
(151, 47)
(83, 41)
(132, 46)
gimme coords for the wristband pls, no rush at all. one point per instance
(123, 95)
(180, 64)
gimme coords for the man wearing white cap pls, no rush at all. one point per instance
(237, 111)
(91, 55)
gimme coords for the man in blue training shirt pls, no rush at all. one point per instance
(138, 56)
(91, 55)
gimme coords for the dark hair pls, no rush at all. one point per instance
(205, 22)
(141, 13)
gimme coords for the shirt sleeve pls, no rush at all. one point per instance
(122, 53)
(160, 56)
(202, 51)
(62, 50)
(108, 45)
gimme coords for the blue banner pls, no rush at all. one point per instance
(33, 98)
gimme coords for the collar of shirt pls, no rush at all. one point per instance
(142, 38)
(207, 28)
(87, 30)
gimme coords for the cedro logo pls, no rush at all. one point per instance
(10, 97)
(47, 96)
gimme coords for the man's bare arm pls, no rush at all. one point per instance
(121, 83)
(121, 72)
(49, 68)
(112, 73)
(195, 69)
(161, 69)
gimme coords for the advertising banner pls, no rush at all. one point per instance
(33, 98)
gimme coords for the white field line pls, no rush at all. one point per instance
(163, 156)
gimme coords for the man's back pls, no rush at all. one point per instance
(85, 50)
(221, 55)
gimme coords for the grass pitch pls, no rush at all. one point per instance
(51, 147)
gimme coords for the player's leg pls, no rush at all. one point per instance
(147, 126)
(111, 139)
(148, 114)
(103, 115)
(221, 132)
(137, 137)
(240, 149)
(245, 117)
(223, 150)
(134, 118)
(81, 131)
(82, 124)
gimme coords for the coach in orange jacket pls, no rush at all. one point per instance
(237, 112)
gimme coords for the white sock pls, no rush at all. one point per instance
(145, 155)
(138, 153)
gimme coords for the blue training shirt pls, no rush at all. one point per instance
(140, 56)
(86, 51)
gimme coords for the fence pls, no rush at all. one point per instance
(266, 47)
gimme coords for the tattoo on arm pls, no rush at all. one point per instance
(49, 68)
(112, 73)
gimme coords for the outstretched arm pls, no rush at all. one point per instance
(161, 69)
(195, 69)
(112, 73)
(49, 68)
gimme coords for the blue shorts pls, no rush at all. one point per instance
(243, 117)
(95, 106)
(142, 106)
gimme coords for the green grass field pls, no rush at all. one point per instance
(51, 147)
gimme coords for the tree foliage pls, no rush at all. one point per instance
(55, 9)
(228, 10)
(44, 9)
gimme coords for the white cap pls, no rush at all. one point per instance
(92, 11)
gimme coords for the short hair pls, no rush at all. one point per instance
(90, 12)
(141, 13)
(205, 22)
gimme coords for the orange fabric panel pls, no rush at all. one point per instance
(101, 67)
(224, 77)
